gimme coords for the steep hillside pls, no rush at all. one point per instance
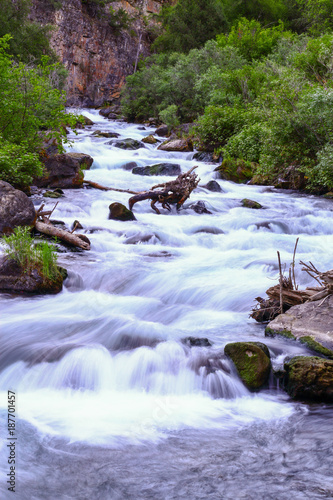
(98, 49)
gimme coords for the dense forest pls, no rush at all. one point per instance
(254, 78)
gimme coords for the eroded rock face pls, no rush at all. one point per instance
(311, 323)
(252, 362)
(97, 58)
(16, 209)
(310, 378)
(64, 170)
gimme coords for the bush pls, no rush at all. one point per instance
(18, 165)
(169, 116)
(21, 249)
(247, 144)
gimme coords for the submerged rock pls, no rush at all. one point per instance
(311, 323)
(16, 209)
(204, 156)
(150, 139)
(200, 207)
(250, 204)
(64, 170)
(129, 166)
(181, 145)
(129, 144)
(310, 378)
(196, 342)
(252, 361)
(213, 186)
(118, 211)
(99, 133)
(158, 169)
(16, 280)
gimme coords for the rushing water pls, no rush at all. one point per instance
(111, 403)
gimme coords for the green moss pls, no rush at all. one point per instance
(269, 332)
(316, 346)
(236, 170)
(251, 362)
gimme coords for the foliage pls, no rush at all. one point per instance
(18, 165)
(169, 116)
(247, 144)
(189, 24)
(119, 19)
(21, 249)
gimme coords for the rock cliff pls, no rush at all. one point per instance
(97, 52)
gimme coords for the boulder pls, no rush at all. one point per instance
(309, 378)
(196, 342)
(235, 170)
(199, 207)
(118, 211)
(204, 156)
(128, 143)
(15, 280)
(99, 133)
(182, 145)
(110, 112)
(162, 131)
(16, 209)
(214, 187)
(329, 195)
(250, 204)
(158, 169)
(86, 121)
(64, 170)
(252, 361)
(311, 323)
(150, 139)
(129, 166)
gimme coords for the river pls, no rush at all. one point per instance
(111, 404)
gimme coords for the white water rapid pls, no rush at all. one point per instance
(102, 366)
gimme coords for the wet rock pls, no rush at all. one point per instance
(128, 144)
(129, 166)
(311, 323)
(181, 145)
(77, 225)
(142, 128)
(235, 170)
(16, 209)
(158, 169)
(64, 170)
(52, 194)
(110, 112)
(329, 195)
(310, 378)
(200, 208)
(150, 139)
(99, 133)
(204, 156)
(15, 280)
(196, 342)
(162, 131)
(213, 186)
(250, 204)
(139, 238)
(86, 122)
(252, 362)
(209, 230)
(118, 211)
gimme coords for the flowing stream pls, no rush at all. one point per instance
(111, 403)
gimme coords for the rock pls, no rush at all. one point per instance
(213, 186)
(310, 378)
(311, 323)
(329, 195)
(200, 208)
(181, 145)
(209, 230)
(250, 204)
(87, 120)
(52, 194)
(110, 135)
(130, 144)
(16, 209)
(196, 342)
(129, 166)
(64, 170)
(162, 131)
(158, 169)
(15, 280)
(204, 156)
(106, 111)
(142, 128)
(235, 170)
(77, 225)
(252, 362)
(120, 212)
(150, 139)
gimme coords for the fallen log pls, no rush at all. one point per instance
(104, 188)
(80, 241)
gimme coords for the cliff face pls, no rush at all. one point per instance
(97, 56)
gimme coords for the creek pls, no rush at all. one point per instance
(111, 403)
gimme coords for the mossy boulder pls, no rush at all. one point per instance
(309, 378)
(118, 211)
(252, 361)
(99, 133)
(246, 203)
(150, 139)
(128, 144)
(239, 171)
(158, 169)
(64, 170)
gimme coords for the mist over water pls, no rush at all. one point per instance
(102, 373)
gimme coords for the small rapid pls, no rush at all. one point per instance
(106, 362)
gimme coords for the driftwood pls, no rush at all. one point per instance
(286, 294)
(104, 188)
(172, 192)
(76, 240)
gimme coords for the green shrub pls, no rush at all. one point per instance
(321, 174)
(18, 165)
(21, 249)
(247, 144)
(169, 116)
